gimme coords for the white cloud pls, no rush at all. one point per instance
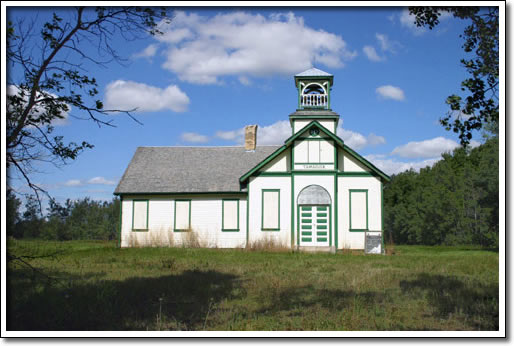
(126, 95)
(371, 53)
(386, 44)
(274, 134)
(358, 141)
(203, 49)
(428, 148)
(194, 137)
(148, 52)
(235, 135)
(392, 166)
(101, 181)
(13, 90)
(391, 92)
(73, 182)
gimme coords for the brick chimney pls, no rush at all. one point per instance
(250, 137)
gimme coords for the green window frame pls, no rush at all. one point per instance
(367, 213)
(223, 229)
(263, 191)
(134, 201)
(175, 216)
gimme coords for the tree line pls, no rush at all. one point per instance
(456, 201)
(73, 220)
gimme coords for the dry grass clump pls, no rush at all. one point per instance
(268, 244)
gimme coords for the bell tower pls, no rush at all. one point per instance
(314, 87)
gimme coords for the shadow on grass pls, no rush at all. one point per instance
(179, 301)
(450, 295)
(298, 298)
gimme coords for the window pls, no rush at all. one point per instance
(270, 210)
(230, 215)
(314, 151)
(182, 215)
(358, 210)
(140, 215)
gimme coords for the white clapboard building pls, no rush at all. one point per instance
(311, 193)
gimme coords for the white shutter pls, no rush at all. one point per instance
(326, 152)
(182, 212)
(358, 210)
(313, 151)
(230, 215)
(301, 150)
(270, 209)
(140, 216)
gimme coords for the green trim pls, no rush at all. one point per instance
(175, 215)
(306, 208)
(147, 212)
(321, 214)
(119, 224)
(262, 210)
(322, 233)
(328, 92)
(180, 193)
(322, 226)
(312, 124)
(306, 226)
(357, 174)
(272, 174)
(382, 213)
(314, 172)
(292, 204)
(350, 204)
(306, 233)
(307, 214)
(248, 216)
(223, 229)
(336, 225)
(263, 163)
(306, 240)
(332, 117)
(366, 162)
(321, 239)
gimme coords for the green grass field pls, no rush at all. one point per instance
(96, 286)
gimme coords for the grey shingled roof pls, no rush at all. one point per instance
(189, 169)
(313, 72)
(313, 112)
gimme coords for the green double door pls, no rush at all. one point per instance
(314, 225)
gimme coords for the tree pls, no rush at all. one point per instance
(12, 213)
(479, 110)
(47, 77)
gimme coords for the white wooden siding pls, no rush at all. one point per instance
(326, 151)
(346, 163)
(206, 223)
(301, 151)
(355, 240)
(256, 234)
(300, 124)
(279, 164)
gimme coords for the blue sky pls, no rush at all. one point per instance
(216, 70)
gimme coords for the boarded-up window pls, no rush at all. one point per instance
(230, 210)
(358, 210)
(140, 214)
(182, 215)
(301, 150)
(326, 152)
(271, 210)
(313, 151)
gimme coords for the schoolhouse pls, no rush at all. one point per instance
(311, 193)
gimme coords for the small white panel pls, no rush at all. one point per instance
(326, 151)
(358, 210)
(270, 204)
(230, 215)
(182, 215)
(301, 151)
(140, 214)
(313, 151)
